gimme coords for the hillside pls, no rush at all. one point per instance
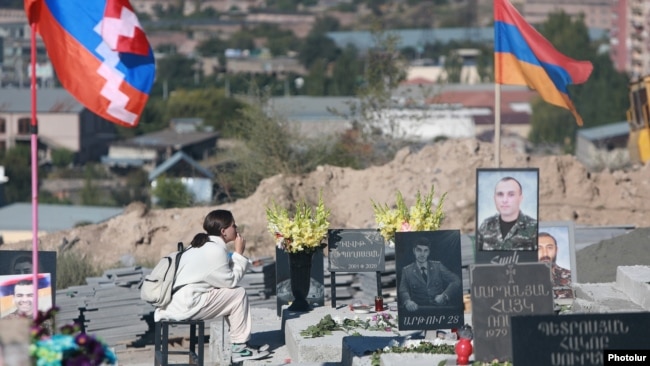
(567, 192)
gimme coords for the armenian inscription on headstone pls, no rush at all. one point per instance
(500, 292)
(355, 250)
(577, 339)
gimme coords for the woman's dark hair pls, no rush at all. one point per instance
(199, 240)
(217, 220)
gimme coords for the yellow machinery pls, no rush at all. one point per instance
(638, 117)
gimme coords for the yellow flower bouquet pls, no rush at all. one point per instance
(304, 231)
(419, 217)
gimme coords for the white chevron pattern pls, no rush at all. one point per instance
(114, 78)
(124, 26)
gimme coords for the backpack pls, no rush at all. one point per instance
(157, 287)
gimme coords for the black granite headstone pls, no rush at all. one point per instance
(500, 292)
(355, 250)
(578, 339)
(439, 297)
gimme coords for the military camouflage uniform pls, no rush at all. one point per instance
(522, 236)
(561, 282)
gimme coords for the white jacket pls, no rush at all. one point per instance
(200, 270)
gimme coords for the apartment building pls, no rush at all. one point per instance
(638, 25)
(597, 13)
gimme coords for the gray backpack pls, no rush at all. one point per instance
(157, 287)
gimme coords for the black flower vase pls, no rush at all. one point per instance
(300, 275)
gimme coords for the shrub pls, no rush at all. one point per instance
(73, 269)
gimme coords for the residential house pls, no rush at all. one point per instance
(148, 151)
(63, 123)
(195, 178)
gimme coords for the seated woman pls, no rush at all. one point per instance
(206, 283)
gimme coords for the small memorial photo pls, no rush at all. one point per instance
(17, 295)
(507, 206)
(556, 246)
(429, 280)
(16, 262)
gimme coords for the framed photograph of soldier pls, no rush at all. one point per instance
(20, 262)
(429, 280)
(556, 246)
(507, 211)
(17, 295)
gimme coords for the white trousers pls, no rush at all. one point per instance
(232, 303)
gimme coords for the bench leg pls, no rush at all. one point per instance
(201, 344)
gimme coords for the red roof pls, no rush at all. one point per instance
(484, 98)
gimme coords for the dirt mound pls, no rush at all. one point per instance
(567, 192)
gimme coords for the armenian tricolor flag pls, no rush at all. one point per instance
(522, 56)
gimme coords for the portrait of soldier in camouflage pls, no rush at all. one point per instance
(547, 251)
(509, 228)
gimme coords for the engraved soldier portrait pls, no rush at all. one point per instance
(427, 282)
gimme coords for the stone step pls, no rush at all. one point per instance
(630, 292)
(634, 281)
(602, 298)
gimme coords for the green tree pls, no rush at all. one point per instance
(176, 71)
(317, 46)
(271, 146)
(242, 40)
(453, 67)
(211, 104)
(62, 158)
(316, 81)
(17, 163)
(345, 73)
(90, 194)
(170, 192)
(136, 189)
(371, 117)
(385, 69)
(325, 24)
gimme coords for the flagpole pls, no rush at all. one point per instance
(34, 146)
(497, 124)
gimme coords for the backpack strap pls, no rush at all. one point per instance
(178, 261)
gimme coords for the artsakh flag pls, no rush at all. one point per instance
(99, 52)
(522, 56)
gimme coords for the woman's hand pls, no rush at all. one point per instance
(240, 244)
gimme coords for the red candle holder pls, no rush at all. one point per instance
(463, 350)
